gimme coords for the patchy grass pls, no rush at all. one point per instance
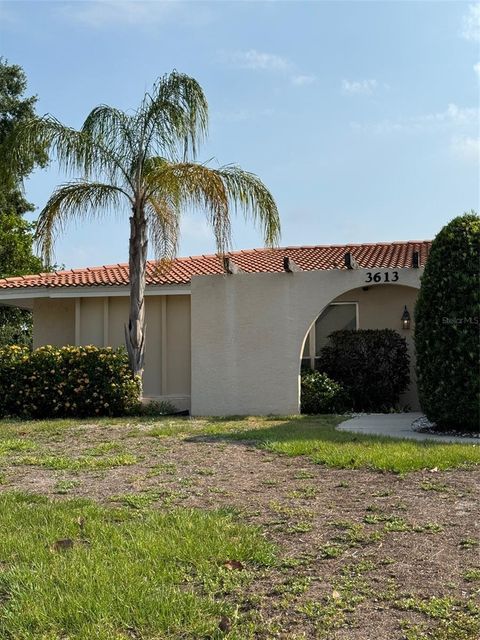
(79, 463)
(312, 436)
(458, 620)
(472, 575)
(428, 485)
(14, 445)
(469, 543)
(63, 487)
(317, 438)
(362, 552)
(119, 576)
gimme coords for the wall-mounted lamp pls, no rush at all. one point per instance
(405, 319)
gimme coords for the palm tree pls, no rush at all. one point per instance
(146, 160)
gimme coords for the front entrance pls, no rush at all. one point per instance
(250, 331)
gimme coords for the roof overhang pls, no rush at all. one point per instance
(23, 297)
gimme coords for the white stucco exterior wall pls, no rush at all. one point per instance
(248, 332)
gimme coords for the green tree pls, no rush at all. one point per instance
(447, 316)
(16, 257)
(145, 160)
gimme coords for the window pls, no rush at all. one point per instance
(336, 317)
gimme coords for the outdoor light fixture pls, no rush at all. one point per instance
(405, 319)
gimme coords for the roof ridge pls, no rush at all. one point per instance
(204, 256)
(258, 260)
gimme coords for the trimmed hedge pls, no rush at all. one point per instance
(447, 320)
(320, 394)
(371, 364)
(53, 382)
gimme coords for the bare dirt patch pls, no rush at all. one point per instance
(363, 554)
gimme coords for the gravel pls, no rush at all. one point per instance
(423, 425)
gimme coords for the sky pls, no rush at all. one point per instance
(362, 118)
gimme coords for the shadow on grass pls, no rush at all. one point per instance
(317, 438)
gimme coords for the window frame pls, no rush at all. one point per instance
(312, 355)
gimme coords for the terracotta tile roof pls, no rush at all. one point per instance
(180, 271)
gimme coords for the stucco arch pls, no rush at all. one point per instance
(376, 307)
(248, 331)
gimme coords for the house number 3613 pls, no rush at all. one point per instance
(382, 276)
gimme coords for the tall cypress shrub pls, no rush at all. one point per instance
(447, 317)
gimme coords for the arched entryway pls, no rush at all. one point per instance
(380, 306)
(249, 330)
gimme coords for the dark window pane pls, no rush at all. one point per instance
(336, 317)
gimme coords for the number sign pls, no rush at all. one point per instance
(382, 276)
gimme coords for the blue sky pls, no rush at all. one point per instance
(361, 117)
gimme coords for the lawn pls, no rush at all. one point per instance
(242, 528)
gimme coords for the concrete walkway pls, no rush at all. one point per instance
(395, 425)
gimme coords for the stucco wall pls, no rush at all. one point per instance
(102, 322)
(381, 307)
(53, 322)
(248, 332)
(91, 321)
(178, 345)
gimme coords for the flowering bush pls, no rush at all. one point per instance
(321, 394)
(68, 381)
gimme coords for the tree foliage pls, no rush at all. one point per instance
(16, 256)
(447, 316)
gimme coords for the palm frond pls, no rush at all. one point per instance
(217, 191)
(70, 201)
(75, 151)
(115, 129)
(163, 222)
(174, 114)
(248, 193)
(197, 186)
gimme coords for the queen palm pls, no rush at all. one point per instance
(145, 160)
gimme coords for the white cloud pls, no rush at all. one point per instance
(453, 117)
(259, 61)
(457, 115)
(303, 79)
(268, 62)
(471, 23)
(466, 147)
(106, 13)
(476, 68)
(354, 87)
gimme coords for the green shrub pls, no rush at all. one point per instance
(447, 317)
(320, 394)
(55, 382)
(157, 408)
(371, 364)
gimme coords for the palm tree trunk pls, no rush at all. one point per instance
(135, 331)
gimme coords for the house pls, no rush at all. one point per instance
(229, 337)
